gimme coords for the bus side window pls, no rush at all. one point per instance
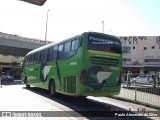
(54, 53)
(60, 52)
(29, 59)
(75, 45)
(67, 48)
(38, 57)
(32, 58)
(26, 61)
(41, 56)
(35, 58)
(49, 54)
(45, 55)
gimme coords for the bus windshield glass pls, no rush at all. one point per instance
(104, 43)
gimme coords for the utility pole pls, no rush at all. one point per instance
(46, 27)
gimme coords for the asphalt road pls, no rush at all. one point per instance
(15, 97)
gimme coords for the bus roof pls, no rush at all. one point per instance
(60, 42)
(51, 44)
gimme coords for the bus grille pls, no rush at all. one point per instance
(69, 85)
(104, 61)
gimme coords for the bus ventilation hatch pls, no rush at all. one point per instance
(104, 61)
(69, 85)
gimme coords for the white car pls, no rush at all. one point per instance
(145, 79)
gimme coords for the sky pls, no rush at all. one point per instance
(67, 18)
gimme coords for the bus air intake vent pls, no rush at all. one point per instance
(104, 61)
(71, 84)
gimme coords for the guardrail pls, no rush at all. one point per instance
(146, 93)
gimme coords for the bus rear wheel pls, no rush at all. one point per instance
(27, 86)
(52, 89)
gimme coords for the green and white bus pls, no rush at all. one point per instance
(89, 64)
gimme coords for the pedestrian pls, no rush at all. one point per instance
(158, 79)
(0, 77)
(148, 78)
(123, 81)
(154, 80)
(128, 79)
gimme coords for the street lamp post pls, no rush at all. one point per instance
(102, 26)
(46, 27)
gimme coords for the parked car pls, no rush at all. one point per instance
(7, 77)
(145, 79)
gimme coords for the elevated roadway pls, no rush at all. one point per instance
(16, 45)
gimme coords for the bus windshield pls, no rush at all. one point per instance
(104, 43)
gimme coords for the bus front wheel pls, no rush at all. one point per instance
(52, 89)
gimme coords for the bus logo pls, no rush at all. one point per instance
(73, 63)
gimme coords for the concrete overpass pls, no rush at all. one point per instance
(16, 45)
(13, 48)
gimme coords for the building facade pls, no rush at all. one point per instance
(141, 54)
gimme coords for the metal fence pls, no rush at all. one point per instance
(142, 91)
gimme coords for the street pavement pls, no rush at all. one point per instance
(126, 94)
(15, 96)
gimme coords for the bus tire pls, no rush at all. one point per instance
(52, 89)
(25, 82)
(27, 86)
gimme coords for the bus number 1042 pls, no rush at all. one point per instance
(114, 68)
